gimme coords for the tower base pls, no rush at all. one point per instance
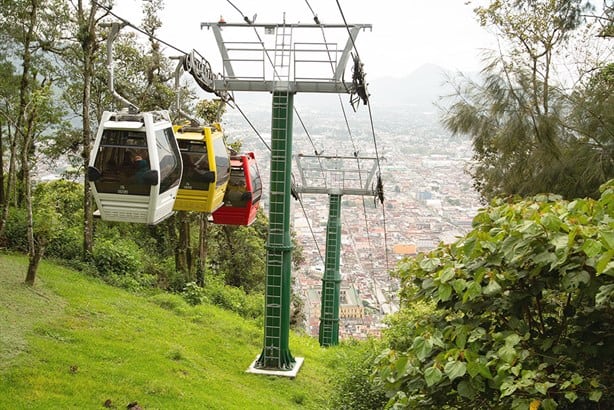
(272, 372)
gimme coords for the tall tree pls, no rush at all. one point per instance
(8, 95)
(517, 112)
(37, 113)
(87, 20)
(84, 59)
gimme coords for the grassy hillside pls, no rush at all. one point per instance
(74, 342)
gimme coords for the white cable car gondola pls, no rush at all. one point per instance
(135, 167)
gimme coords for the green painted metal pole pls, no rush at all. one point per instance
(331, 282)
(276, 352)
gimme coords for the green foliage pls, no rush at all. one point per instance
(238, 254)
(353, 387)
(523, 315)
(16, 227)
(193, 294)
(58, 209)
(119, 262)
(249, 306)
(529, 134)
(210, 110)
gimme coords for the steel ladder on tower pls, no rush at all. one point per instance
(277, 211)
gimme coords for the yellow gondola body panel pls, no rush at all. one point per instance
(206, 168)
(135, 167)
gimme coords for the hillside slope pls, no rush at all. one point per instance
(74, 342)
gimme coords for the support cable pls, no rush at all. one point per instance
(313, 235)
(140, 30)
(358, 75)
(345, 117)
(276, 75)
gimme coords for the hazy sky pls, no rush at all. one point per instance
(405, 35)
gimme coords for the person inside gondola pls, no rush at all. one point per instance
(202, 165)
(141, 168)
(236, 194)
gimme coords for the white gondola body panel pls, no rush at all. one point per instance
(135, 167)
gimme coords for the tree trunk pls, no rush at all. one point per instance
(10, 184)
(183, 260)
(24, 126)
(33, 261)
(88, 220)
(202, 250)
(2, 196)
(88, 46)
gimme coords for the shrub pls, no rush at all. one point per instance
(353, 387)
(524, 312)
(119, 263)
(120, 257)
(193, 294)
(16, 229)
(249, 306)
(67, 244)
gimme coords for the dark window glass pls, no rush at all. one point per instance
(121, 159)
(256, 183)
(236, 191)
(222, 162)
(196, 172)
(170, 166)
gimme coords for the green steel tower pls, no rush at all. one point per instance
(289, 67)
(328, 334)
(334, 176)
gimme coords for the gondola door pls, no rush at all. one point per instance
(135, 167)
(243, 193)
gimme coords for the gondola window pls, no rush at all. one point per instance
(117, 161)
(170, 168)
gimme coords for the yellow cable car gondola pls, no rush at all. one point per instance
(135, 167)
(206, 168)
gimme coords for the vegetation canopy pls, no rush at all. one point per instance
(523, 311)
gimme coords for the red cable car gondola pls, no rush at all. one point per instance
(243, 193)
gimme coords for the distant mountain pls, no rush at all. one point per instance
(418, 90)
(421, 88)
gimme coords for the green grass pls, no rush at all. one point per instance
(74, 342)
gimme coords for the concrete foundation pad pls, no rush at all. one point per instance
(273, 372)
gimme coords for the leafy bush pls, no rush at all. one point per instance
(16, 228)
(119, 263)
(353, 387)
(67, 243)
(120, 257)
(193, 294)
(249, 306)
(524, 312)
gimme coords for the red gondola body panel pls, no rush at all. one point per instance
(243, 193)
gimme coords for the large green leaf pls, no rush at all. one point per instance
(422, 347)
(608, 238)
(444, 292)
(454, 369)
(465, 389)
(507, 353)
(432, 375)
(493, 288)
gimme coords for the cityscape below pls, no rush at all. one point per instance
(428, 199)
